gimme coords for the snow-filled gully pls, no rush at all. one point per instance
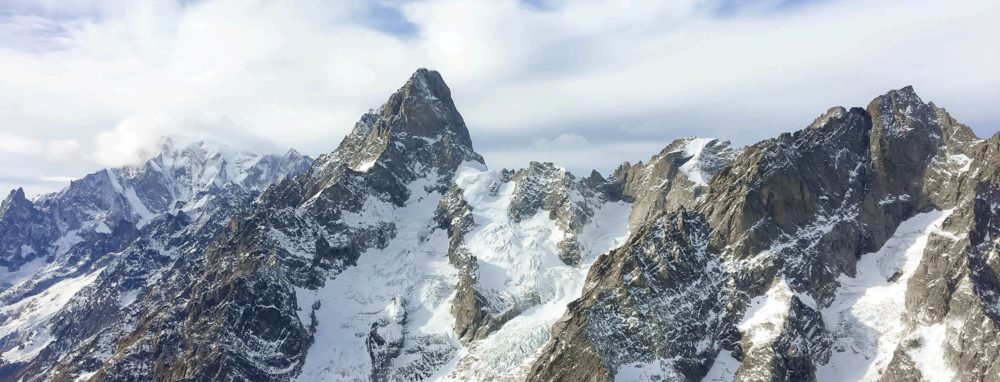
(421, 282)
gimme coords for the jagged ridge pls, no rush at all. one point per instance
(400, 256)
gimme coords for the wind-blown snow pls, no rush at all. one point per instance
(866, 314)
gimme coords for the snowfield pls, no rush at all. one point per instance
(866, 317)
(385, 283)
(412, 288)
(519, 259)
(33, 314)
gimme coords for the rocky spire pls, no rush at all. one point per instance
(14, 199)
(418, 133)
(418, 125)
(864, 241)
(24, 230)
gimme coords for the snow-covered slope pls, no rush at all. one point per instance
(695, 168)
(862, 247)
(95, 220)
(866, 317)
(404, 292)
(520, 268)
(403, 288)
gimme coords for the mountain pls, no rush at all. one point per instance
(812, 256)
(104, 235)
(858, 248)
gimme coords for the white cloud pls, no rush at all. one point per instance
(138, 138)
(56, 150)
(113, 75)
(62, 150)
(133, 140)
(58, 179)
(14, 144)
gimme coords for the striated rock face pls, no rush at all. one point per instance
(951, 299)
(664, 284)
(676, 177)
(858, 248)
(788, 221)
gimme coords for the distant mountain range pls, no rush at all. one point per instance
(863, 247)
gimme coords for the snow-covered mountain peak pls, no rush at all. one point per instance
(179, 148)
(185, 175)
(676, 177)
(858, 248)
(198, 166)
(419, 122)
(14, 198)
(832, 113)
(894, 114)
(293, 154)
(418, 133)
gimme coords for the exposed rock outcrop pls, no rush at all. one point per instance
(860, 247)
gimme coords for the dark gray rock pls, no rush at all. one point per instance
(167, 215)
(199, 277)
(25, 231)
(802, 208)
(241, 321)
(661, 295)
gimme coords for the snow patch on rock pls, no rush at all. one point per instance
(723, 369)
(648, 372)
(866, 316)
(693, 168)
(766, 314)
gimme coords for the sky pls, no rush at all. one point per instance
(587, 84)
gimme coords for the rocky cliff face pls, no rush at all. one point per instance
(676, 177)
(858, 248)
(789, 220)
(108, 238)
